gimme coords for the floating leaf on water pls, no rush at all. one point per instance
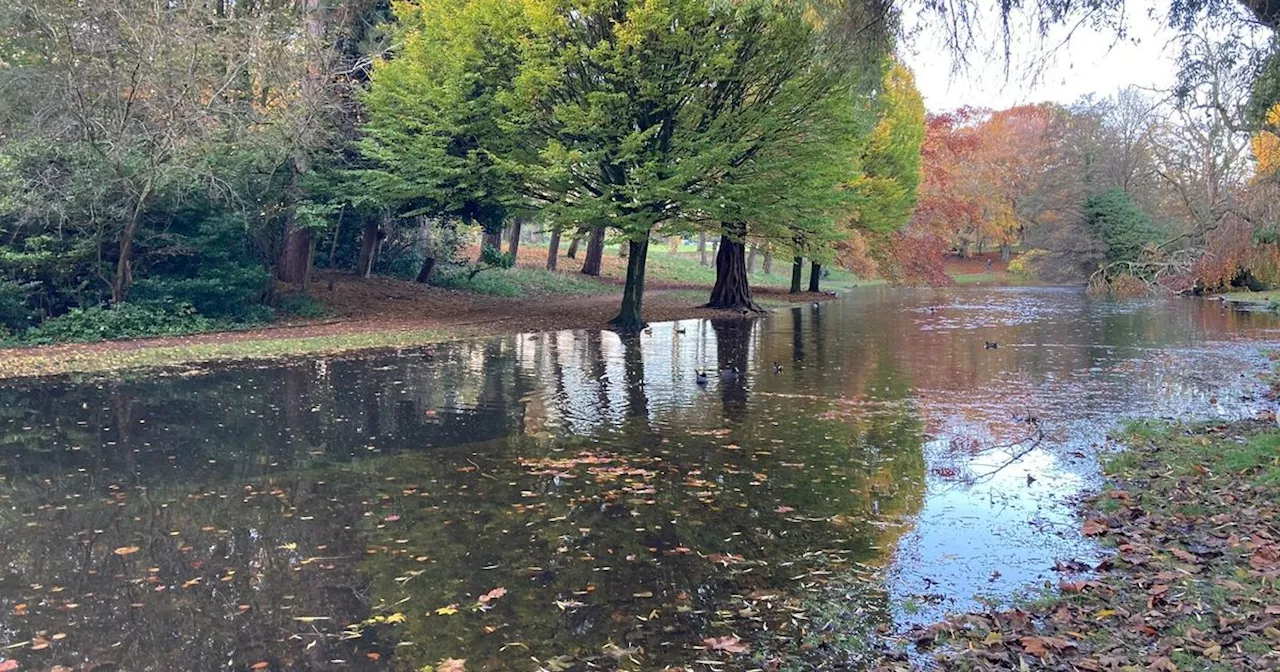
(452, 665)
(8, 665)
(447, 611)
(126, 550)
(260, 665)
(728, 644)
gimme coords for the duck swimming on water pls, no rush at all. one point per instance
(701, 377)
(990, 345)
(777, 368)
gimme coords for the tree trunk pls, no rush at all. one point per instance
(491, 239)
(295, 255)
(368, 247)
(797, 274)
(674, 242)
(514, 244)
(768, 262)
(751, 259)
(333, 244)
(631, 316)
(1006, 253)
(424, 275)
(553, 249)
(732, 290)
(124, 265)
(702, 248)
(623, 250)
(595, 252)
(573, 244)
(815, 276)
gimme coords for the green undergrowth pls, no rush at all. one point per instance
(522, 282)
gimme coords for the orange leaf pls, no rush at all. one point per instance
(1034, 646)
(261, 665)
(1094, 527)
(127, 550)
(8, 665)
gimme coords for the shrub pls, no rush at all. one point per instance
(15, 307)
(301, 305)
(124, 320)
(232, 290)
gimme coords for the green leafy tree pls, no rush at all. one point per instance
(438, 136)
(1118, 221)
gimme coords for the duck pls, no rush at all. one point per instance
(990, 345)
(701, 377)
(777, 368)
(729, 373)
(680, 330)
(648, 331)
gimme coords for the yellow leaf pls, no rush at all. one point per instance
(447, 611)
(993, 638)
(291, 546)
(396, 618)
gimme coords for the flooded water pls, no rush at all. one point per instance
(573, 501)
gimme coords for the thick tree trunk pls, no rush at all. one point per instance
(1006, 253)
(623, 249)
(368, 247)
(768, 262)
(815, 276)
(514, 244)
(631, 316)
(702, 248)
(797, 274)
(732, 290)
(424, 275)
(553, 249)
(595, 252)
(296, 255)
(751, 259)
(573, 244)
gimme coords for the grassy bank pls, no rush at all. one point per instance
(1192, 514)
(1267, 299)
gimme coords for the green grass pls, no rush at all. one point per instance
(1268, 298)
(526, 282)
(1188, 452)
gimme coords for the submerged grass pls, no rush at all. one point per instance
(1194, 582)
(146, 357)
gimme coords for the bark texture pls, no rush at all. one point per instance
(630, 317)
(732, 290)
(553, 249)
(595, 252)
(797, 274)
(815, 276)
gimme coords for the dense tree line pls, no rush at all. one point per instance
(187, 160)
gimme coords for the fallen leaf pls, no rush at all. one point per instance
(447, 611)
(783, 509)
(374, 656)
(1094, 527)
(1034, 646)
(452, 665)
(492, 595)
(127, 550)
(8, 665)
(261, 665)
(728, 644)
(396, 618)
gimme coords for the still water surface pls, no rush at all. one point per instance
(571, 500)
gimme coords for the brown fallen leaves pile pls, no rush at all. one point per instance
(1193, 515)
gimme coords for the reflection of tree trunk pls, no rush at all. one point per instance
(553, 249)
(815, 276)
(733, 338)
(733, 288)
(751, 259)
(630, 316)
(514, 244)
(702, 247)
(797, 274)
(797, 335)
(595, 252)
(637, 401)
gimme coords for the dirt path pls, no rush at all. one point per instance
(372, 313)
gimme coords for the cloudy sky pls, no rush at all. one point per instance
(1091, 61)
